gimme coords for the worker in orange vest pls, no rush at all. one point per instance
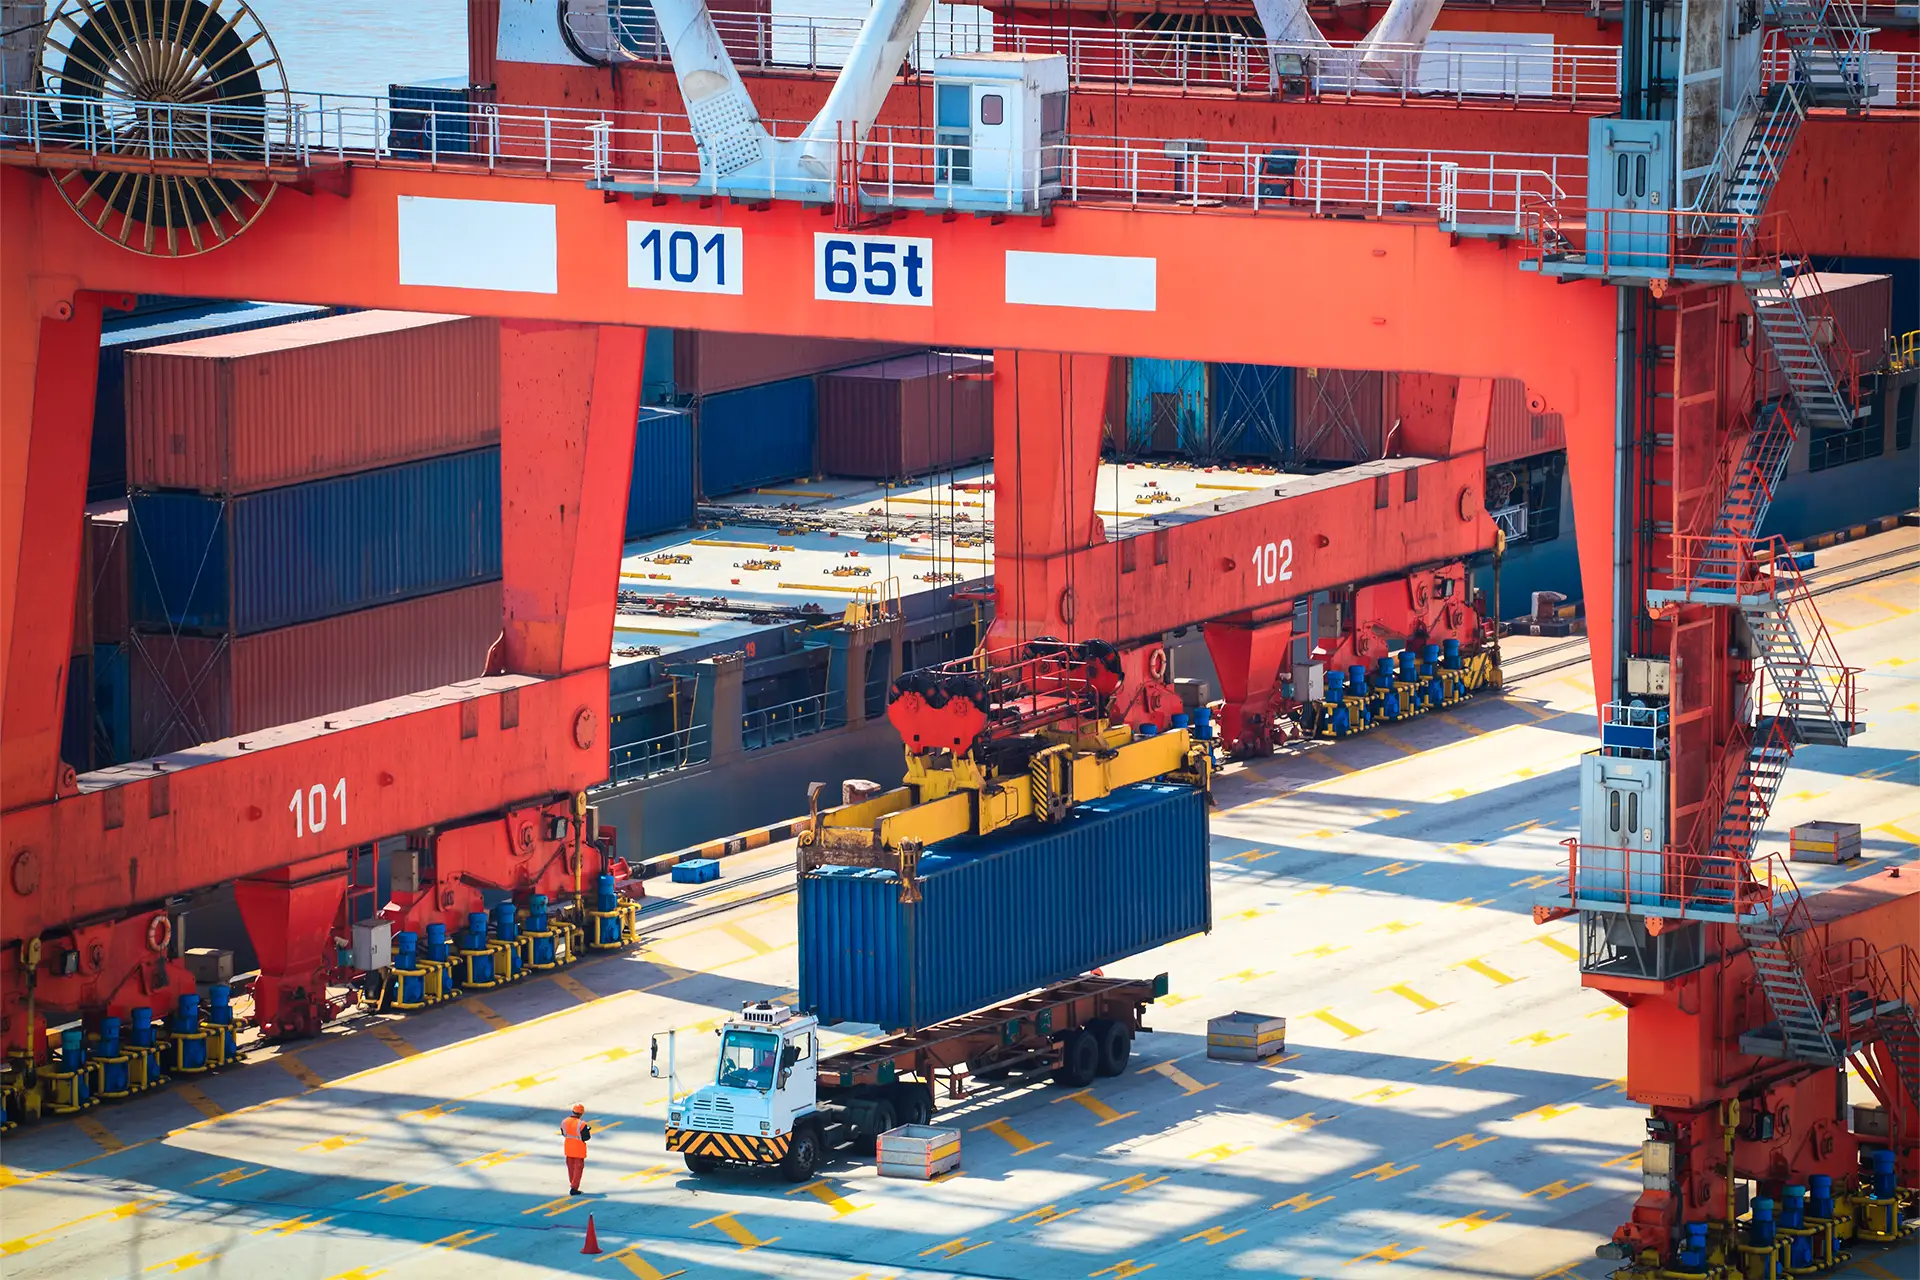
(575, 1131)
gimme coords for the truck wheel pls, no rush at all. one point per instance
(1116, 1045)
(702, 1165)
(803, 1155)
(913, 1103)
(883, 1119)
(1079, 1059)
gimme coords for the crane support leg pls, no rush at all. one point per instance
(1250, 658)
(290, 914)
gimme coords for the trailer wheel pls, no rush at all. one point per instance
(1079, 1059)
(701, 1165)
(913, 1103)
(803, 1155)
(882, 1118)
(1116, 1045)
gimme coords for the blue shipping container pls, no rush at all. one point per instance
(656, 369)
(235, 566)
(756, 436)
(1004, 914)
(660, 496)
(107, 466)
(112, 705)
(76, 722)
(1166, 405)
(430, 119)
(1252, 409)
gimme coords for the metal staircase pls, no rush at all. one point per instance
(1815, 688)
(1742, 182)
(1750, 798)
(1804, 1034)
(1829, 48)
(1792, 313)
(1753, 477)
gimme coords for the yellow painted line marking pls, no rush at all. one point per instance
(1395, 926)
(1537, 1039)
(804, 493)
(395, 1191)
(335, 1143)
(1221, 1151)
(35, 1239)
(1468, 904)
(1320, 952)
(1393, 868)
(485, 1012)
(528, 1082)
(1453, 793)
(1460, 1066)
(1325, 890)
(1554, 1190)
(954, 1248)
(1611, 1013)
(558, 1205)
(1248, 975)
(1385, 1253)
(1900, 833)
(99, 1133)
(1251, 913)
(1554, 944)
(1476, 1220)
(460, 1240)
(300, 1071)
(1342, 769)
(750, 546)
(387, 1036)
(1011, 1136)
(1449, 718)
(1528, 825)
(1385, 1171)
(638, 1266)
(1385, 1093)
(1305, 1121)
(11, 1177)
(1626, 1161)
(1405, 992)
(1302, 1202)
(1122, 1269)
(185, 1262)
(1251, 856)
(226, 1178)
(652, 1173)
(1381, 735)
(358, 1273)
(1804, 795)
(1102, 1112)
(1213, 1235)
(823, 1192)
(747, 940)
(579, 991)
(1874, 1269)
(1237, 488)
(1535, 882)
(299, 1222)
(1549, 1112)
(729, 1226)
(1339, 1024)
(1618, 1085)
(1044, 1214)
(1466, 1141)
(1179, 1077)
(653, 631)
(437, 1111)
(1487, 971)
(491, 1159)
(1138, 1182)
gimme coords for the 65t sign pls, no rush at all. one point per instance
(892, 269)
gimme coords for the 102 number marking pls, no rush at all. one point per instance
(685, 259)
(1272, 563)
(309, 809)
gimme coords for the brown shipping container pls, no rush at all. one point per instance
(1515, 431)
(1862, 310)
(707, 363)
(193, 689)
(109, 544)
(271, 407)
(905, 416)
(1341, 415)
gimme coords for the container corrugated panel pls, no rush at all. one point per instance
(191, 318)
(756, 436)
(1251, 406)
(266, 408)
(1166, 405)
(1004, 914)
(660, 496)
(431, 119)
(275, 559)
(906, 416)
(1862, 314)
(192, 689)
(108, 543)
(112, 705)
(76, 721)
(656, 368)
(1341, 415)
(706, 362)
(1515, 431)
(81, 635)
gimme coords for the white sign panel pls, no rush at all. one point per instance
(479, 244)
(1097, 281)
(897, 270)
(686, 259)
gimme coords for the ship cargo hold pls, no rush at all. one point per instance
(756, 436)
(188, 689)
(265, 408)
(1003, 914)
(906, 416)
(285, 556)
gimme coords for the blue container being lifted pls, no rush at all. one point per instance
(235, 566)
(431, 120)
(660, 495)
(756, 436)
(1005, 914)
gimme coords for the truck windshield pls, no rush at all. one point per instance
(747, 1060)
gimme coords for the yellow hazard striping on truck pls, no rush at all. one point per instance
(729, 1146)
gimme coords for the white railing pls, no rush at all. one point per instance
(899, 164)
(1207, 61)
(1893, 75)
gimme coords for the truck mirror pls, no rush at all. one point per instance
(786, 1074)
(789, 1056)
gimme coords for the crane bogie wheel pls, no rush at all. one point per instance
(197, 80)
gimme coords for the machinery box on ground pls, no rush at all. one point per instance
(1001, 915)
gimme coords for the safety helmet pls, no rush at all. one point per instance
(579, 1108)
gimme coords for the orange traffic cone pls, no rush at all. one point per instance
(593, 1241)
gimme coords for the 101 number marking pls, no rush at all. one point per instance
(684, 259)
(309, 808)
(1272, 563)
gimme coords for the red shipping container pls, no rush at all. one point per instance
(905, 416)
(109, 545)
(1515, 430)
(706, 363)
(193, 689)
(1861, 310)
(1341, 415)
(271, 407)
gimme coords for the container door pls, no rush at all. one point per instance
(996, 167)
(1629, 190)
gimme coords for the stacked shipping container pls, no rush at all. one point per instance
(906, 416)
(315, 522)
